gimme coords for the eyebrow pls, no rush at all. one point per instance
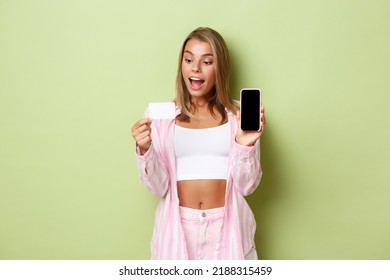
(206, 54)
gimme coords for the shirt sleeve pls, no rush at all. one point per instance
(246, 168)
(152, 172)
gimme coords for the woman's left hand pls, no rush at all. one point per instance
(249, 138)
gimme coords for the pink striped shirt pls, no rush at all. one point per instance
(157, 172)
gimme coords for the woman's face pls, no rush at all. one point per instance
(198, 68)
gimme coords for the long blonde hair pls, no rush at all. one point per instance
(220, 99)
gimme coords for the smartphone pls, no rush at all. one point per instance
(250, 100)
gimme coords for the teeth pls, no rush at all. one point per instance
(195, 79)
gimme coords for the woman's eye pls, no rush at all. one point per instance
(187, 60)
(208, 62)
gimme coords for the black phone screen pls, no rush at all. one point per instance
(250, 109)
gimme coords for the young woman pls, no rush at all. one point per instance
(201, 164)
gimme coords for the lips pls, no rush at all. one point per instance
(196, 83)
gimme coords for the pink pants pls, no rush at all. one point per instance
(202, 230)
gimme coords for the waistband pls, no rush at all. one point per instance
(197, 214)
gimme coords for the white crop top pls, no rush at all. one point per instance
(202, 153)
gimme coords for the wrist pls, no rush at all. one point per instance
(142, 150)
(244, 143)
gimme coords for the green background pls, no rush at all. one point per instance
(75, 76)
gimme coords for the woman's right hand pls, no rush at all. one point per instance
(141, 131)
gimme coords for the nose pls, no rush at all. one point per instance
(196, 69)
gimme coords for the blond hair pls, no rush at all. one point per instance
(220, 98)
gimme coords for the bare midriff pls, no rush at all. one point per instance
(202, 194)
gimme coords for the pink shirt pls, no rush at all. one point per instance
(157, 173)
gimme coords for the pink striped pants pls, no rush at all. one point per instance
(202, 230)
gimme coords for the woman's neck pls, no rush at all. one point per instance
(200, 102)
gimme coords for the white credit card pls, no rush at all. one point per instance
(162, 110)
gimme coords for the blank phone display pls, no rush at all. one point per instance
(250, 109)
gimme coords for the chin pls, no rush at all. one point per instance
(200, 93)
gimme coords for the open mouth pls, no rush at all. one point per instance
(196, 83)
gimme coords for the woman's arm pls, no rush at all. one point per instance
(246, 168)
(151, 168)
(152, 171)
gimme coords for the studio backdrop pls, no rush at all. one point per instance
(76, 75)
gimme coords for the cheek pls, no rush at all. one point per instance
(184, 66)
(184, 72)
(212, 76)
(213, 72)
